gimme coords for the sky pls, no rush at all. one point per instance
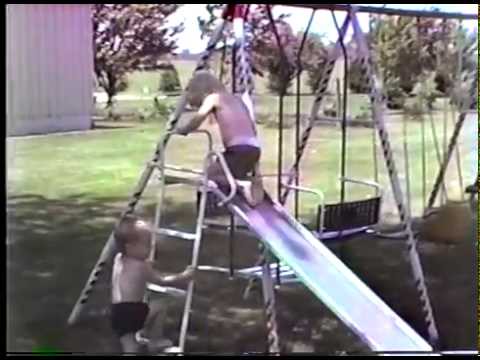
(190, 40)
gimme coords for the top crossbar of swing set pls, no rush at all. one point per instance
(388, 11)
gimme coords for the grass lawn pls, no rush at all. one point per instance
(65, 193)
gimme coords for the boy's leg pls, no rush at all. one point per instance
(243, 160)
(129, 344)
(154, 325)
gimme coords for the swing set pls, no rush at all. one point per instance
(333, 220)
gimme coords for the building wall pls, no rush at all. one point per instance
(49, 68)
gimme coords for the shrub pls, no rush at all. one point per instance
(169, 80)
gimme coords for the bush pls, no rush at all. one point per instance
(357, 80)
(364, 114)
(460, 95)
(396, 96)
(330, 107)
(158, 111)
(425, 91)
(169, 80)
(122, 84)
(414, 111)
(163, 109)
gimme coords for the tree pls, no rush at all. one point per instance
(457, 61)
(278, 57)
(406, 48)
(264, 51)
(128, 37)
(314, 58)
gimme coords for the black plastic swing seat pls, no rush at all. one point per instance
(350, 215)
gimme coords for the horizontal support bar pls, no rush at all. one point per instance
(182, 169)
(328, 235)
(248, 272)
(371, 184)
(388, 11)
(175, 233)
(166, 290)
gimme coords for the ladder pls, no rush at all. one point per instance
(199, 180)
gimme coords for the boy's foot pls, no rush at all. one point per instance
(253, 193)
(258, 193)
(141, 339)
(246, 189)
(159, 345)
(172, 349)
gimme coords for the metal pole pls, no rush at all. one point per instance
(280, 165)
(231, 239)
(459, 42)
(445, 101)
(234, 68)
(389, 11)
(280, 145)
(270, 312)
(374, 135)
(284, 75)
(344, 111)
(472, 103)
(297, 140)
(424, 155)
(298, 109)
(424, 167)
(195, 256)
(441, 174)
(407, 164)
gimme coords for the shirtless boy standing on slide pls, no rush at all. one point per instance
(237, 129)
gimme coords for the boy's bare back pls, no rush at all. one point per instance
(233, 118)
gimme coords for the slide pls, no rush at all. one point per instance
(328, 278)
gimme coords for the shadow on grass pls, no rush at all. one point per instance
(53, 245)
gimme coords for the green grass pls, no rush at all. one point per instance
(109, 163)
(100, 163)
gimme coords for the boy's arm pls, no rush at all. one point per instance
(206, 108)
(155, 277)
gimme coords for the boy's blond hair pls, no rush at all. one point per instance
(125, 232)
(201, 85)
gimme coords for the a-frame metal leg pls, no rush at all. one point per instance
(270, 311)
(378, 106)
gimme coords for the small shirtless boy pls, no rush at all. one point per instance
(237, 129)
(131, 272)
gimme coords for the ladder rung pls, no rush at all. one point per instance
(175, 233)
(169, 179)
(166, 290)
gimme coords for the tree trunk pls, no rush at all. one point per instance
(109, 106)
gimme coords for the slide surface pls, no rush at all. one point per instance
(328, 278)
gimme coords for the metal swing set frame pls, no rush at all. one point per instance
(243, 83)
